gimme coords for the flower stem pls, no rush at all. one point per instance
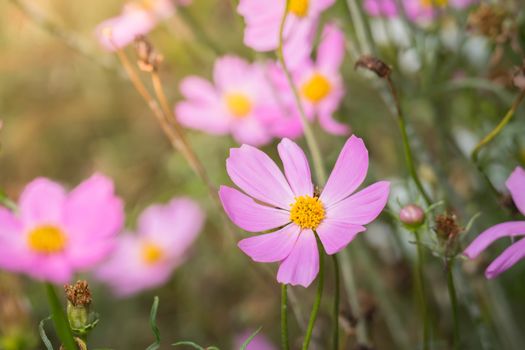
(318, 295)
(311, 141)
(421, 291)
(59, 318)
(453, 303)
(285, 345)
(335, 330)
(406, 144)
(495, 132)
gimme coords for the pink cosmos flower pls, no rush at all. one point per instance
(510, 256)
(416, 10)
(54, 233)
(288, 205)
(320, 83)
(146, 259)
(137, 18)
(263, 20)
(240, 101)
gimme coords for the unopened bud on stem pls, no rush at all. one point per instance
(412, 216)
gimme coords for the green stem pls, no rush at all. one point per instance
(285, 345)
(308, 133)
(406, 144)
(453, 303)
(421, 291)
(495, 132)
(60, 320)
(318, 295)
(335, 334)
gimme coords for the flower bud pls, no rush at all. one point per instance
(412, 216)
(81, 319)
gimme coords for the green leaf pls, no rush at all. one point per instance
(153, 323)
(250, 338)
(189, 343)
(43, 334)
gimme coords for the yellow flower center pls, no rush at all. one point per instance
(316, 88)
(47, 239)
(307, 212)
(238, 104)
(434, 3)
(298, 7)
(151, 253)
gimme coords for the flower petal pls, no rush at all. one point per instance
(302, 265)
(271, 247)
(516, 185)
(198, 89)
(507, 259)
(249, 215)
(361, 207)
(11, 244)
(42, 202)
(332, 47)
(257, 175)
(336, 235)
(348, 173)
(486, 238)
(296, 168)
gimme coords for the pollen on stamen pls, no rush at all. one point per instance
(298, 7)
(47, 239)
(307, 212)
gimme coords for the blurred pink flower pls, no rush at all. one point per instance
(259, 342)
(263, 19)
(146, 259)
(319, 83)
(287, 204)
(240, 101)
(510, 256)
(55, 233)
(416, 10)
(137, 18)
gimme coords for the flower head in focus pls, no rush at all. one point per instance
(146, 259)
(263, 20)
(137, 18)
(55, 233)
(510, 256)
(240, 101)
(288, 205)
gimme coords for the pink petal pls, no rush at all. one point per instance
(332, 126)
(336, 235)
(348, 173)
(257, 175)
(516, 185)
(332, 48)
(302, 265)
(203, 116)
(52, 268)
(42, 202)
(486, 238)
(250, 131)
(507, 259)
(271, 247)
(296, 168)
(249, 215)
(362, 207)
(11, 244)
(230, 71)
(198, 90)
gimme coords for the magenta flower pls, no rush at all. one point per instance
(54, 233)
(240, 101)
(137, 18)
(263, 19)
(259, 342)
(146, 259)
(288, 205)
(510, 256)
(416, 10)
(320, 83)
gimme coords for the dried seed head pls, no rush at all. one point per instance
(148, 59)
(375, 65)
(447, 227)
(78, 294)
(488, 20)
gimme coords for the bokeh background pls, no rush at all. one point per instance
(67, 114)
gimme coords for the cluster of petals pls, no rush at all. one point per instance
(137, 18)
(54, 234)
(415, 10)
(147, 258)
(516, 251)
(287, 205)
